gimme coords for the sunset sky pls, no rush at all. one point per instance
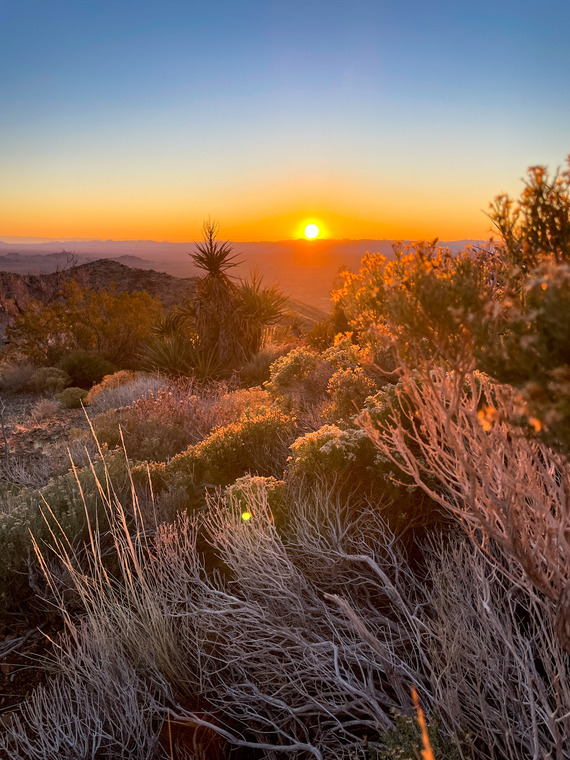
(384, 119)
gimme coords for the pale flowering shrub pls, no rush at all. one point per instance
(348, 389)
(331, 449)
(299, 379)
(344, 459)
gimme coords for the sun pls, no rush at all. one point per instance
(311, 231)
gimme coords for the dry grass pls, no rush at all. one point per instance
(310, 641)
(15, 376)
(43, 409)
(124, 389)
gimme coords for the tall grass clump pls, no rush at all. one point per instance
(308, 645)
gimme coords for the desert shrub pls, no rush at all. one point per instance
(86, 367)
(458, 443)
(49, 380)
(348, 389)
(110, 323)
(15, 376)
(44, 408)
(245, 490)
(159, 426)
(145, 438)
(532, 351)
(429, 303)
(257, 370)
(116, 380)
(342, 458)
(291, 369)
(299, 380)
(119, 720)
(235, 403)
(257, 443)
(66, 515)
(71, 398)
(124, 388)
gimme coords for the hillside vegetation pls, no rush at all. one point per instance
(278, 542)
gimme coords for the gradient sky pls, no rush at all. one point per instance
(384, 119)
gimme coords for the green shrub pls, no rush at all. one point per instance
(405, 741)
(348, 389)
(243, 488)
(49, 380)
(299, 379)
(345, 458)
(288, 370)
(86, 367)
(63, 495)
(71, 398)
(255, 444)
(347, 455)
(146, 438)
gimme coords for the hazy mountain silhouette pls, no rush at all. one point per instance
(304, 269)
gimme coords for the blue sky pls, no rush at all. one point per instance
(380, 119)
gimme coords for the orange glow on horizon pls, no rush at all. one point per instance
(170, 219)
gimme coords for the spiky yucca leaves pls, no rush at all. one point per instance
(258, 307)
(230, 317)
(214, 257)
(178, 354)
(214, 297)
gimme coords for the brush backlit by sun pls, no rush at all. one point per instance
(311, 231)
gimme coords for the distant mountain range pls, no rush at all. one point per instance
(303, 269)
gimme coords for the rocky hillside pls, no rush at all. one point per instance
(16, 290)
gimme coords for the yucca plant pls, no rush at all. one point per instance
(229, 317)
(258, 307)
(179, 353)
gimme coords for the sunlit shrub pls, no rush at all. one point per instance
(49, 380)
(255, 444)
(344, 458)
(291, 369)
(234, 404)
(145, 438)
(331, 452)
(348, 389)
(110, 382)
(299, 379)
